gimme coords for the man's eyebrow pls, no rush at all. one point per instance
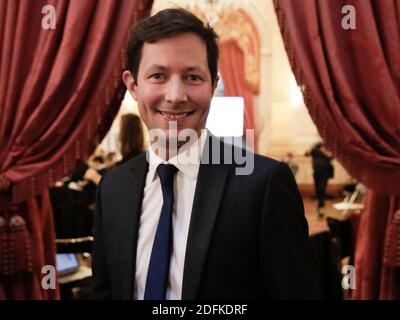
(157, 66)
(187, 69)
(194, 68)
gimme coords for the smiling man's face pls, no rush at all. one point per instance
(173, 83)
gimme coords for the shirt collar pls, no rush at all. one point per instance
(188, 165)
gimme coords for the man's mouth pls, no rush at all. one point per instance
(174, 116)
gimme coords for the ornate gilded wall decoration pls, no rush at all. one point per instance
(236, 25)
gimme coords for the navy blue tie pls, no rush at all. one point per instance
(157, 274)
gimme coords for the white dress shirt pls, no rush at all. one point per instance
(184, 188)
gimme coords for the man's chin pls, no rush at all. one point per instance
(172, 141)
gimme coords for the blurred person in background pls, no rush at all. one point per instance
(131, 143)
(288, 159)
(322, 171)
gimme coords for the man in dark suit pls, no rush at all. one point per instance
(228, 234)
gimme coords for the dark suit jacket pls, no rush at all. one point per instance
(247, 236)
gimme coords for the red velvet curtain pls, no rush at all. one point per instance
(351, 84)
(231, 65)
(377, 261)
(59, 92)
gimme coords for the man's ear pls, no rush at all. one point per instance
(215, 84)
(130, 83)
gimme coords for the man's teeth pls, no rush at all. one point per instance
(175, 116)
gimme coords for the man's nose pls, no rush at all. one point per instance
(175, 92)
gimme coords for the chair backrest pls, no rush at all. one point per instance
(73, 221)
(75, 245)
(72, 215)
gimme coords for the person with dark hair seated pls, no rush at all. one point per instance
(131, 143)
(131, 138)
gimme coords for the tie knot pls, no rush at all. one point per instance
(166, 173)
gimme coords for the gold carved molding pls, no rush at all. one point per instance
(237, 26)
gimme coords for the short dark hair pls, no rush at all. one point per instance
(168, 23)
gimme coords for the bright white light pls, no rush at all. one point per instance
(226, 116)
(128, 104)
(296, 97)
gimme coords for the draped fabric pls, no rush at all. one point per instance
(379, 229)
(33, 249)
(350, 80)
(231, 65)
(60, 89)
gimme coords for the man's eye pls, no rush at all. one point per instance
(157, 76)
(193, 77)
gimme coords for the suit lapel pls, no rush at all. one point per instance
(209, 191)
(130, 209)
